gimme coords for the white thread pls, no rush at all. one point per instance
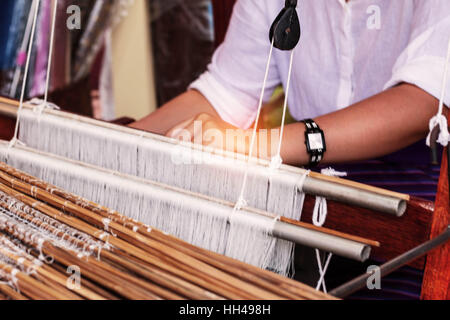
(23, 48)
(320, 208)
(283, 119)
(14, 279)
(275, 220)
(322, 271)
(276, 162)
(319, 218)
(241, 204)
(50, 54)
(25, 77)
(40, 243)
(255, 129)
(106, 223)
(320, 211)
(302, 180)
(439, 119)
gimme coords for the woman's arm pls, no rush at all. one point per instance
(374, 127)
(380, 125)
(184, 107)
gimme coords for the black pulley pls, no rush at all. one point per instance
(285, 30)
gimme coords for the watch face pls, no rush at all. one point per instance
(315, 141)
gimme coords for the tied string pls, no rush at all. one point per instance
(319, 218)
(44, 104)
(277, 160)
(22, 55)
(241, 203)
(439, 121)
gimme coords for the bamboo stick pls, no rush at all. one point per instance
(162, 252)
(11, 293)
(206, 275)
(52, 277)
(157, 254)
(114, 216)
(66, 208)
(33, 287)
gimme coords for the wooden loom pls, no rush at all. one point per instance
(140, 262)
(396, 235)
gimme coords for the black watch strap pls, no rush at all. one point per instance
(315, 142)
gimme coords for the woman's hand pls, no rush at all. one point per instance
(211, 131)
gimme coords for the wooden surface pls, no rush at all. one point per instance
(6, 128)
(396, 235)
(436, 284)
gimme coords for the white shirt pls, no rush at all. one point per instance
(347, 53)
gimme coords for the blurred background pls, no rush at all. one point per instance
(127, 58)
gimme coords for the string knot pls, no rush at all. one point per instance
(439, 121)
(41, 105)
(276, 163)
(320, 208)
(14, 141)
(240, 204)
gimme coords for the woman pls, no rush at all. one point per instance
(368, 72)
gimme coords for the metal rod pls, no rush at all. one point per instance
(359, 283)
(355, 197)
(334, 189)
(196, 202)
(323, 241)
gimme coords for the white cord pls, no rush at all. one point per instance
(320, 208)
(22, 51)
(241, 201)
(25, 77)
(277, 161)
(50, 54)
(439, 119)
(319, 218)
(322, 271)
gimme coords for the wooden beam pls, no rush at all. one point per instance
(436, 283)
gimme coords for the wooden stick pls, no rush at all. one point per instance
(33, 287)
(10, 292)
(147, 242)
(163, 253)
(15, 184)
(206, 276)
(51, 276)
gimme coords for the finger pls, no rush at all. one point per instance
(175, 132)
(198, 127)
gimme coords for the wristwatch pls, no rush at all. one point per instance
(315, 142)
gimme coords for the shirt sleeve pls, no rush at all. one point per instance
(422, 63)
(233, 81)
